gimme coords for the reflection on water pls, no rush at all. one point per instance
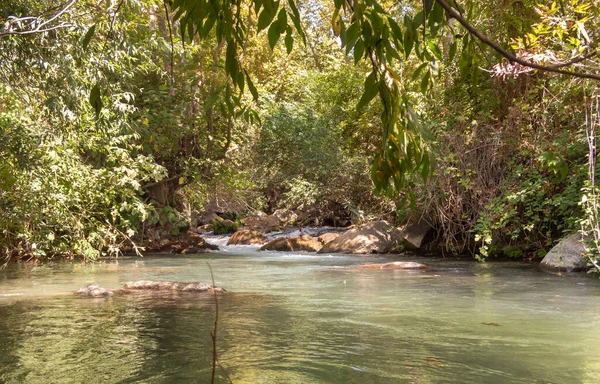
(300, 318)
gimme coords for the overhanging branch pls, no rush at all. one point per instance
(35, 24)
(512, 58)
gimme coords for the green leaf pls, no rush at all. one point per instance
(265, 18)
(427, 5)
(396, 30)
(212, 98)
(409, 36)
(231, 63)
(96, 99)
(289, 42)
(435, 50)
(359, 50)
(251, 86)
(452, 51)
(88, 37)
(418, 71)
(350, 36)
(371, 90)
(336, 22)
(274, 33)
(425, 82)
(296, 20)
(418, 20)
(437, 14)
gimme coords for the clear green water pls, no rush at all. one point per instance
(295, 318)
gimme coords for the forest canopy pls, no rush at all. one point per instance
(119, 116)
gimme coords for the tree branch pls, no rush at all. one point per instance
(33, 20)
(512, 58)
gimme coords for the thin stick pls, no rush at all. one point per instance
(213, 335)
(170, 37)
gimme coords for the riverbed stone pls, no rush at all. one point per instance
(402, 265)
(247, 237)
(93, 290)
(374, 237)
(566, 256)
(149, 285)
(292, 244)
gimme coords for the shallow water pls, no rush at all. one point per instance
(300, 318)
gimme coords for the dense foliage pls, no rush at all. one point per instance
(116, 117)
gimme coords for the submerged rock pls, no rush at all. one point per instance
(247, 237)
(94, 290)
(395, 265)
(170, 286)
(567, 255)
(290, 244)
(375, 237)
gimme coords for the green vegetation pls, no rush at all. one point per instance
(121, 116)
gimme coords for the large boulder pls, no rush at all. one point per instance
(262, 222)
(247, 237)
(206, 218)
(223, 226)
(291, 244)
(414, 235)
(187, 242)
(394, 265)
(285, 217)
(567, 255)
(374, 237)
(328, 237)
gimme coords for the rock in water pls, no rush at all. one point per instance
(94, 290)
(328, 237)
(171, 286)
(247, 237)
(375, 237)
(567, 255)
(394, 265)
(291, 244)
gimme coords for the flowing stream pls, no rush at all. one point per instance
(299, 318)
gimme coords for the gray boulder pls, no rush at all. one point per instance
(567, 255)
(374, 237)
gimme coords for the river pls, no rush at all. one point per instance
(300, 318)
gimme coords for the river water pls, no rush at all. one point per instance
(300, 318)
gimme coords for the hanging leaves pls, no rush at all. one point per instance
(88, 37)
(96, 99)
